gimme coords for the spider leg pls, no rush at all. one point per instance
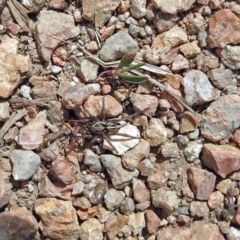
(109, 142)
(103, 109)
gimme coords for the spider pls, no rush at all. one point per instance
(102, 128)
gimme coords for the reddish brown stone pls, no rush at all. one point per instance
(152, 220)
(189, 122)
(222, 159)
(158, 179)
(202, 182)
(140, 192)
(224, 29)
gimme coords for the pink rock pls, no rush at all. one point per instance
(236, 136)
(5, 187)
(140, 191)
(132, 157)
(63, 171)
(146, 104)
(180, 63)
(215, 199)
(13, 28)
(202, 182)
(31, 135)
(58, 4)
(18, 223)
(189, 122)
(222, 159)
(152, 220)
(223, 29)
(158, 179)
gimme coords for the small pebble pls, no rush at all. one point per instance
(56, 69)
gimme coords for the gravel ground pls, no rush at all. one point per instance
(85, 154)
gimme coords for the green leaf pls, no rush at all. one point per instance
(125, 62)
(131, 67)
(132, 78)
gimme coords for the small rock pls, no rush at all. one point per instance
(88, 71)
(134, 30)
(155, 132)
(58, 4)
(224, 186)
(132, 157)
(152, 221)
(167, 200)
(93, 88)
(118, 175)
(198, 89)
(215, 199)
(222, 159)
(192, 151)
(5, 187)
(164, 21)
(51, 224)
(117, 46)
(221, 78)
(63, 171)
(104, 10)
(92, 47)
(180, 63)
(118, 224)
(31, 135)
(202, 182)
(92, 159)
(216, 124)
(91, 229)
(202, 38)
(56, 69)
(136, 222)
(189, 122)
(127, 206)
(173, 6)
(75, 96)
(146, 104)
(145, 167)
(141, 207)
(4, 111)
(22, 223)
(13, 67)
(113, 198)
(25, 164)
(170, 150)
(199, 209)
(138, 8)
(50, 24)
(190, 50)
(195, 24)
(140, 191)
(77, 188)
(207, 60)
(44, 90)
(157, 180)
(51, 152)
(229, 56)
(85, 214)
(219, 34)
(164, 48)
(234, 233)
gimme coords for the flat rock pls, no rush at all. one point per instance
(152, 221)
(222, 159)
(18, 223)
(49, 24)
(31, 135)
(118, 175)
(25, 164)
(13, 67)
(198, 89)
(117, 46)
(53, 213)
(229, 56)
(99, 12)
(127, 137)
(173, 6)
(223, 29)
(216, 124)
(202, 182)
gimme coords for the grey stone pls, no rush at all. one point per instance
(117, 46)
(92, 160)
(113, 198)
(25, 164)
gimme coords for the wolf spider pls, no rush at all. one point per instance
(100, 128)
